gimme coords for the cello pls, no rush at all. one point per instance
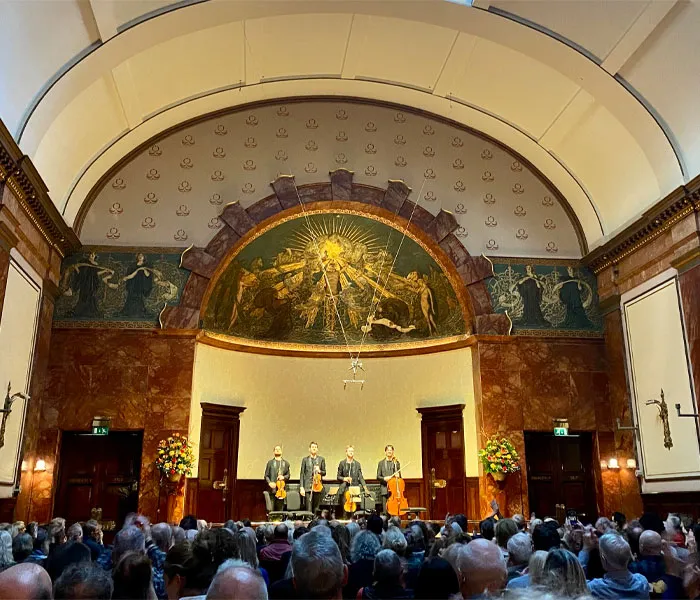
(397, 504)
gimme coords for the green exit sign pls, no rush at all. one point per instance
(100, 430)
(561, 431)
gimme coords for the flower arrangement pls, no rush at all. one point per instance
(175, 456)
(499, 457)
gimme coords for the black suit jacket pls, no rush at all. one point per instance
(307, 470)
(384, 469)
(354, 470)
(274, 467)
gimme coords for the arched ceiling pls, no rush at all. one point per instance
(598, 95)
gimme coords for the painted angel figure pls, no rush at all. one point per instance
(83, 279)
(570, 290)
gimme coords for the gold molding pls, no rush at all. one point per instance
(21, 177)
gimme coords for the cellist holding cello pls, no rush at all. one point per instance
(386, 469)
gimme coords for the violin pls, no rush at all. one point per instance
(317, 485)
(281, 492)
(397, 503)
(349, 505)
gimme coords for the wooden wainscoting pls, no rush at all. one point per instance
(249, 502)
(680, 503)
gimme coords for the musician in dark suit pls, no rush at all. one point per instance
(311, 465)
(386, 469)
(349, 474)
(277, 468)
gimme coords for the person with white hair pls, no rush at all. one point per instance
(318, 568)
(618, 581)
(237, 579)
(395, 540)
(519, 553)
(481, 569)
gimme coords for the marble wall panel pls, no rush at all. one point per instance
(690, 299)
(142, 379)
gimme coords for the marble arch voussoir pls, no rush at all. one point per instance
(203, 263)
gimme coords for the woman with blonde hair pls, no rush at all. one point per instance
(564, 575)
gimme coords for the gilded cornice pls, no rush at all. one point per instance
(680, 203)
(20, 175)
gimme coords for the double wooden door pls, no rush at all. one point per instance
(560, 475)
(99, 477)
(444, 475)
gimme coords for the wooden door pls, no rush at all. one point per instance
(559, 471)
(442, 438)
(218, 461)
(99, 477)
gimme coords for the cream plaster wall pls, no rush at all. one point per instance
(657, 359)
(295, 400)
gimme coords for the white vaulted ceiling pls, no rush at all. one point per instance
(598, 95)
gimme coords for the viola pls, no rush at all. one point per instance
(317, 485)
(281, 492)
(349, 505)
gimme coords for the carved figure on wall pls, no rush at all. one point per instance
(570, 291)
(530, 290)
(84, 279)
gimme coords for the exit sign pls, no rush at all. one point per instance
(100, 430)
(561, 431)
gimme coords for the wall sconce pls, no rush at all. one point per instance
(40, 465)
(613, 464)
(631, 463)
(603, 464)
(25, 466)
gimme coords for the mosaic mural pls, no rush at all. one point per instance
(334, 280)
(546, 297)
(118, 287)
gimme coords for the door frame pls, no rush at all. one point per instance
(229, 415)
(434, 415)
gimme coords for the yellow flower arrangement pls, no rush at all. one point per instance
(175, 455)
(499, 456)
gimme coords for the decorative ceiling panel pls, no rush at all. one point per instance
(172, 192)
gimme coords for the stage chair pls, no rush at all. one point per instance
(273, 515)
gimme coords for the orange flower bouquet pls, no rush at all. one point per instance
(175, 457)
(499, 457)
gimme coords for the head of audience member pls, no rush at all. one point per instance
(218, 544)
(520, 521)
(27, 581)
(633, 535)
(19, 527)
(388, 570)
(83, 581)
(188, 522)
(75, 533)
(487, 528)
(178, 534)
(175, 573)
(65, 555)
(22, 547)
(415, 540)
(6, 557)
(237, 579)
(341, 536)
(535, 567)
(281, 533)
(132, 577)
(395, 540)
(481, 569)
(299, 531)
(32, 528)
(563, 574)
(505, 529)
(247, 550)
(353, 529)
(651, 520)
(545, 537)
(462, 521)
(162, 535)
(129, 539)
(615, 553)
(375, 524)
(519, 549)
(92, 530)
(437, 579)
(650, 544)
(231, 526)
(604, 525)
(56, 532)
(319, 571)
(364, 546)
(673, 529)
(619, 519)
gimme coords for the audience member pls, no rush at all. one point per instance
(237, 579)
(75, 533)
(619, 520)
(83, 581)
(651, 563)
(519, 553)
(363, 550)
(318, 567)
(28, 581)
(436, 580)
(40, 548)
(533, 574)
(481, 569)
(92, 538)
(520, 521)
(6, 556)
(487, 528)
(133, 578)
(545, 537)
(341, 536)
(563, 575)
(395, 540)
(387, 577)
(618, 582)
(652, 521)
(129, 539)
(22, 547)
(505, 529)
(279, 544)
(188, 522)
(178, 534)
(65, 555)
(673, 531)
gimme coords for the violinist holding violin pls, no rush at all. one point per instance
(386, 469)
(276, 477)
(349, 474)
(313, 469)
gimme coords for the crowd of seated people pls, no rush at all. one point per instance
(368, 558)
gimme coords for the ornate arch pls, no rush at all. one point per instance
(437, 231)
